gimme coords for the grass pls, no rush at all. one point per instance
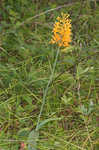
(70, 114)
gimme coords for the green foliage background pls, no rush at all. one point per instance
(26, 61)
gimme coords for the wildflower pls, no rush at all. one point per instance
(62, 31)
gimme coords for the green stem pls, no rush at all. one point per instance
(46, 90)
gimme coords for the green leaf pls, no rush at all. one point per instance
(69, 60)
(68, 49)
(81, 71)
(28, 99)
(23, 133)
(66, 100)
(46, 121)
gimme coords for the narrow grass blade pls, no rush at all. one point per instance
(32, 140)
(46, 121)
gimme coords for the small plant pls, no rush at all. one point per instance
(62, 36)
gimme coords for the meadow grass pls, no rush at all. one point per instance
(70, 114)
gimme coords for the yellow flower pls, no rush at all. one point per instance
(62, 31)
